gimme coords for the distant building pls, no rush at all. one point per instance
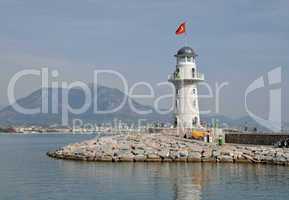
(185, 79)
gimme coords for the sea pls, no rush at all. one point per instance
(26, 173)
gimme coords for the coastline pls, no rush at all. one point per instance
(53, 133)
(160, 147)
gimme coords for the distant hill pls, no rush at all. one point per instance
(107, 99)
(238, 123)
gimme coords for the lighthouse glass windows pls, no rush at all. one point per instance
(190, 59)
(181, 59)
(185, 59)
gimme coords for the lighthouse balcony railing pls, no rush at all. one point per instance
(194, 76)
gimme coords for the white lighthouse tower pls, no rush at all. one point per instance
(185, 79)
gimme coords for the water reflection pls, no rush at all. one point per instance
(178, 181)
(190, 179)
(181, 181)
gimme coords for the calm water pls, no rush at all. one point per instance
(27, 173)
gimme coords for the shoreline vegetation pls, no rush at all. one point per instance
(160, 147)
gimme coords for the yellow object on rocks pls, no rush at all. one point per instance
(198, 134)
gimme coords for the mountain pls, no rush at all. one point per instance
(107, 99)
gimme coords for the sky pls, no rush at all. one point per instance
(237, 42)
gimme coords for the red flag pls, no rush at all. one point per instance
(181, 29)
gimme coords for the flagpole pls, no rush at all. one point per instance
(186, 36)
(186, 39)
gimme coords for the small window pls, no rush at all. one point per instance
(189, 59)
(195, 121)
(175, 122)
(194, 91)
(182, 59)
(177, 73)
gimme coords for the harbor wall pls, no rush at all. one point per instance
(254, 138)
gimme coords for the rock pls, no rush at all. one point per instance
(280, 160)
(124, 147)
(153, 160)
(241, 159)
(194, 157)
(138, 152)
(206, 156)
(247, 152)
(206, 153)
(215, 153)
(164, 154)
(153, 156)
(225, 158)
(167, 160)
(139, 158)
(181, 159)
(183, 154)
(173, 155)
(126, 158)
(266, 159)
(249, 158)
(227, 153)
(257, 157)
(90, 158)
(286, 155)
(140, 147)
(106, 158)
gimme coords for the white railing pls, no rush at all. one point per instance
(194, 76)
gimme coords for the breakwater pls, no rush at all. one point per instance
(167, 148)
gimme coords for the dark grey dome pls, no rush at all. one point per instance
(186, 51)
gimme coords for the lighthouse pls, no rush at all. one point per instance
(185, 79)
